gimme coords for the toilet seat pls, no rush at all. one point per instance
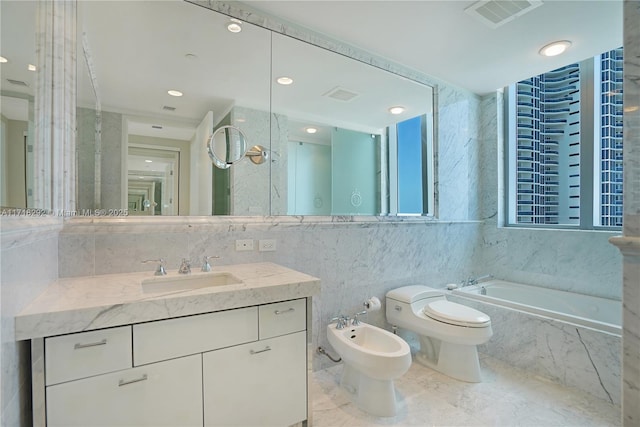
(456, 314)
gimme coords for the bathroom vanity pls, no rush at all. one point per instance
(228, 347)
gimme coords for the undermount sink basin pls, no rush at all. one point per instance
(189, 282)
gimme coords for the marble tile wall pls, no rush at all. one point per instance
(29, 263)
(354, 260)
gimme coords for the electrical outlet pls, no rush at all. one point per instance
(267, 245)
(244, 245)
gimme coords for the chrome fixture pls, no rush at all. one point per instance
(472, 281)
(321, 350)
(206, 266)
(483, 290)
(257, 154)
(160, 271)
(356, 321)
(185, 267)
(342, 321)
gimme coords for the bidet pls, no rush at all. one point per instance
(372, 358)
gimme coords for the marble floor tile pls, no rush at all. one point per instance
(506, 397)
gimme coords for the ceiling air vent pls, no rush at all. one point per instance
(341, 94)
(167, 108)
(17, 82)
(495, 13)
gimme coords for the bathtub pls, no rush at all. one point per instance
(572, 339)
(601, 314)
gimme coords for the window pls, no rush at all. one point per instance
(565, 146)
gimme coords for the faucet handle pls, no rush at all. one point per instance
(185, 267)
(356, 321)
(206, 266)
(160, 271)
(341, 321)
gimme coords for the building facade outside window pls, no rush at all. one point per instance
(564, 164)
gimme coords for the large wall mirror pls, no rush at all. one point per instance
(332, 143)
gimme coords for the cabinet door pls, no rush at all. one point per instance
(257, 384)
(161, 394)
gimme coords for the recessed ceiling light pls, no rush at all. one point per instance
(396, 110)
(284, 80)
(148, 161)
(3, 60)
(31, 67)
(555, 48)
(235, 26)
(311, 130)
(173, 92)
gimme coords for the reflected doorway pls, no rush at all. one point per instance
(152, 180)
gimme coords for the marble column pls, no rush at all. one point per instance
(629, 242)
(55, 106)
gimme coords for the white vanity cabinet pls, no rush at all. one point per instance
(238, 367)
(263, 382)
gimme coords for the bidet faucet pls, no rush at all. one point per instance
(342, 321)
(160, 271)
(356, 321)
(185, 267)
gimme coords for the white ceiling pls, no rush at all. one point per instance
(438, 38)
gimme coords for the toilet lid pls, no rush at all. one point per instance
(456, 314)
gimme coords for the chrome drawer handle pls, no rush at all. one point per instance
(289, 310)
(267, 348)
(92, 344)
(137, 380)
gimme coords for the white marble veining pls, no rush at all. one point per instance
(86, 303)
(568, 354)
(506, 397)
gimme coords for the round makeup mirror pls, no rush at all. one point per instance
(226, 146)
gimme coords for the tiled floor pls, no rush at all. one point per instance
(506, 397)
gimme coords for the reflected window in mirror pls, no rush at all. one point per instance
(411, 142)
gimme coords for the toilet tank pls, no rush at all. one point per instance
(403, 302)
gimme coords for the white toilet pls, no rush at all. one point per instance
(448, 332)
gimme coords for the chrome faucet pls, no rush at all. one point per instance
(356, 321)
(206, 266)
(185, 267)
(160, 271)
(342, 321)
(472, 281)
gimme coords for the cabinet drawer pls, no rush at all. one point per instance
(171, 338)
(74, 356)
(283, 318)
(161, 394)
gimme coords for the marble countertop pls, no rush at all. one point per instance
(86, 303)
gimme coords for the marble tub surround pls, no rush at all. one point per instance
(567, 354)
(87, 303)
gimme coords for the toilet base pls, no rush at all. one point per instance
(376, 397)
(454, 360)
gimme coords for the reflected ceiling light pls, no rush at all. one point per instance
(555, 48)
(284, 80)
(311, 130)
(173, 92)
(3, 60)
(631, 109)
(31, 67)
(396, 110)
(148, 161)
(235, 26)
